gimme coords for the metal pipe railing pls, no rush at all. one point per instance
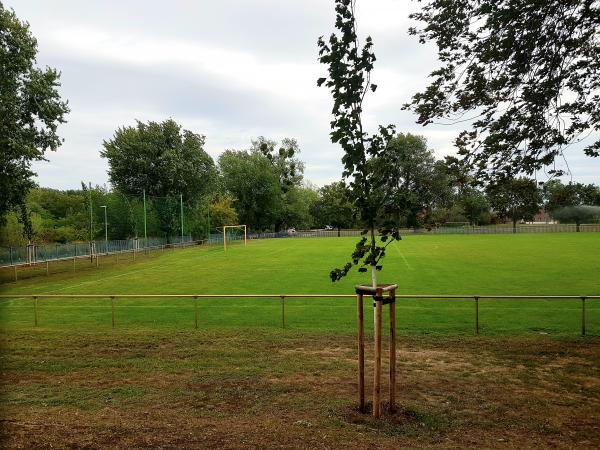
(282, 297)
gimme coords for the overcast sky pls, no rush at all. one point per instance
(229, 69)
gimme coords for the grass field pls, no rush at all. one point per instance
(240, 381)
(536, 264)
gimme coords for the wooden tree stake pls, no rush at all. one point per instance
(393, 351)
(377, 350)
(361, 352)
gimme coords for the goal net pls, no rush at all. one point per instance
(233, 233)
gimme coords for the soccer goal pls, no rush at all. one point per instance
(233, 233)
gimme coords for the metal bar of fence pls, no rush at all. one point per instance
(398, 296)
(282, 297)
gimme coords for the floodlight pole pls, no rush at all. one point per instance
(181, 209)
(105, 228)
(145, 229)
(208, 219)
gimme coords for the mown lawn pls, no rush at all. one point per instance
(241, 381)
(527, 264)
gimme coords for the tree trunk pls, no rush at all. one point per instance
(339, 232)
(577, 227)
(514, 225)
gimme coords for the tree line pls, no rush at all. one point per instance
(163, 169)
(263, 185)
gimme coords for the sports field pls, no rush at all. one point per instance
(534, 264)
(529, 380)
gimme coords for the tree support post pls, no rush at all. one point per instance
(377, 349)
(392, 351)
(361, 352)
(378, 301)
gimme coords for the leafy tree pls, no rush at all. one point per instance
(250, 180)
(417, 183)
(475, 206)
(163, 160)
(334, 207)
(298, 201)
(525, 74)
(30, 110)
(577, 214)
(559, 195)
(222, 212)
(515, 198)
(288, 168)
(349, 80)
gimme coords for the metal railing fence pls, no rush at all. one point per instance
(195, 297)
(34, 253)
(486, 229)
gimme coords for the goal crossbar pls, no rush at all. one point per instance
(234, 226)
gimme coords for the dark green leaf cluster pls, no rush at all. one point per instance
(160, 158)
(515, 198)
(30, 110)
(288, 167)
(525, 74)
(349, 80)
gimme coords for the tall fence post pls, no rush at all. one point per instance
(196, 312)
(476, 315)
(112, 307)
(583, 316)
(361, 351)
(35, 311)
(282, 311)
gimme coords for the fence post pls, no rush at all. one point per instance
(112, 306)
(47, 268)
(35, 311)
(361, 351)
(196, 312)
(282, 311)
(476, 315)
(583, 316)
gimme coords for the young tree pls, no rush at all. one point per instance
(349, 80)
(30, 110)
(525, 74)
(334, 207)
(515, 198)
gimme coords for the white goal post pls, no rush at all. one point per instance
(234, 226)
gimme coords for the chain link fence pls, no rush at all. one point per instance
(467, 229)
(33, 253)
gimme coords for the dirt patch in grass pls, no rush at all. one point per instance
(282, 389)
